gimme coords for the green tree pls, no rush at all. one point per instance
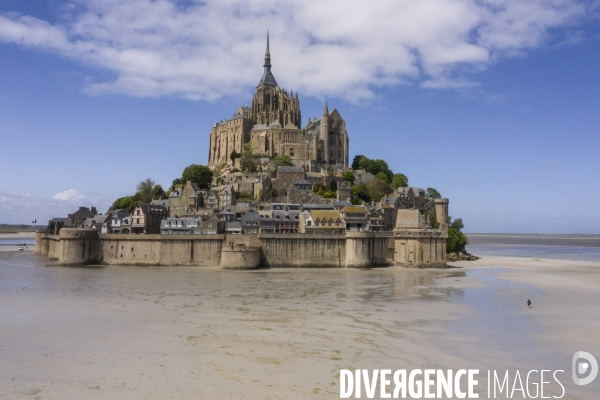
(356, 161)
(157, 191)
(457, 240)
(144, 190)
(375, 166)
(176, 182)
(198, 174)
(378, 188)
(399, 180)
(431, 192)
(361, 191)
(125, 203)
(234, 154)
(433, 221)
(383, 177)
(283, 161)
(348, 177)
(145, 186)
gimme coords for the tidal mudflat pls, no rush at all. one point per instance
(186, 333)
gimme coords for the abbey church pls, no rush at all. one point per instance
(273, 125)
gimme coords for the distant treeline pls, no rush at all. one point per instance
(19, 226)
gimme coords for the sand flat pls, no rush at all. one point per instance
(157, 333)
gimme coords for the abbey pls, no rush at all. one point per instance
(273, 127)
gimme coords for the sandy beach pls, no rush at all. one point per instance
(162, 333)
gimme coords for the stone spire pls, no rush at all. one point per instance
(267, 77)
(267, 52)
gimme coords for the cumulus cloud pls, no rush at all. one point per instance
(16, 208)
(70, 195)
(345, 48)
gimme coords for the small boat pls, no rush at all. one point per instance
(20, 248)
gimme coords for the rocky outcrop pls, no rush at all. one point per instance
(460, 256)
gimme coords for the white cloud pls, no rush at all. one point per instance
(22, 209)
(209, 49)
(70, 195)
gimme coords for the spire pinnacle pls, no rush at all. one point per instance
(326, 109)
(267, 52)
(267, 77)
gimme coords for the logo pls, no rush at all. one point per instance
(584, 364)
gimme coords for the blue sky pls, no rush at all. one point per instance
(494, 103)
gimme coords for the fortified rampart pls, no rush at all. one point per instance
(412, 247)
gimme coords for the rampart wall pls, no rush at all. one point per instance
(409, 247)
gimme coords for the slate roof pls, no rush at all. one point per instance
(342, 203)
(289, 169)
(316, 206)
(234, 225)
(161, 202)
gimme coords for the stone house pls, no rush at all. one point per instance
(321, 222)
(79, 216)
(227, 215)
(266, 221)
(300, 191)
(185, 201)
(264, 185)
(250, 223)
(119, 217)
(355, 218)
(147, 218)
(234, 228)
(212, 225)
(181, 226)
(286, 221)
(212, 199)
(286, 176)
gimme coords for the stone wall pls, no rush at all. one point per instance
(406, 247)
(301, 251)
(194, 250)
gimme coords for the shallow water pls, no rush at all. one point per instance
(140, 332)
(556, 247)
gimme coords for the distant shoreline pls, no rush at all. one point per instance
(568, 240)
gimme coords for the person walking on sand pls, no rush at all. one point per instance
(529, 303)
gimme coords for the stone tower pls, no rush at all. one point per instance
(325, 133)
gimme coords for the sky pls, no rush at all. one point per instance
(495, 103)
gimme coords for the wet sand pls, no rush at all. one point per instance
(161, 333)
(22, 235)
